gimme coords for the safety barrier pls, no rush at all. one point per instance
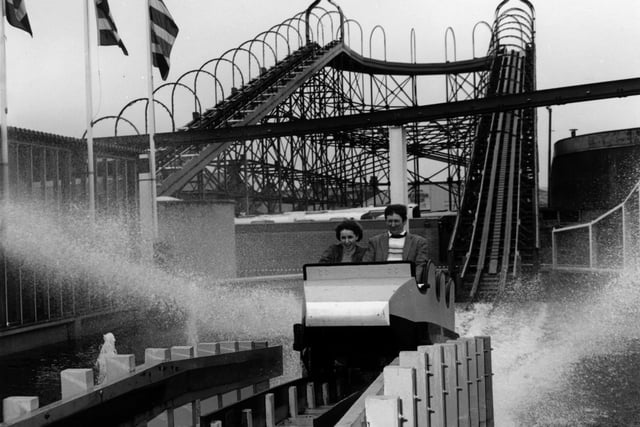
(436, 385)
(297, 403)
(174, 386)
(611, 242)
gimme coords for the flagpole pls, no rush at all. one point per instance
(89, 109)
(4, 134)
(152, 127)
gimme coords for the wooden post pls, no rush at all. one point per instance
(423, 395)
(119, 366)
(436, 385)
(325, 394)
(450, 384)
(293, 402)
(154, 356)
(382, 411)
(181, 352)
(247, 418)
(401, 382)
(482, 400)
(74, 382)
(462, 363)
(311, 396)
(14, 407)
(207, 349)
(554, 249)
(270, 410)
(470, 354)
(488, 378)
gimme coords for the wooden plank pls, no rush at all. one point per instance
(436, 385)
(462, 383)
(401, 381)
(470, 349)
(450, 384)
(482, 401)
(488, 378)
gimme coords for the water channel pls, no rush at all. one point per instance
(565, 348)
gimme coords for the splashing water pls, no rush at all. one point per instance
(555, 356)
(556, 352)
(101, 253)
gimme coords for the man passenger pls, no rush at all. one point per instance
(396, 244)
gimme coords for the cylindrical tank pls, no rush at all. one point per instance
(594, 171)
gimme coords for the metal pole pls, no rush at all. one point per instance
(624, 238)
(549, 154)
(4, 134)
(591, 253)
(152, 128)
(89, 109)
(554, 251)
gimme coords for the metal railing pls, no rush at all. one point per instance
(609, 242)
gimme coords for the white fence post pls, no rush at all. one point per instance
(382, 411)
(74, 382)
(14, 407)
(436, 385)
(401, 382)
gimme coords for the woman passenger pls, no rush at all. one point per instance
(348, 233)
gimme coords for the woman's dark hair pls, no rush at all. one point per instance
(349, 225)
(396, 209)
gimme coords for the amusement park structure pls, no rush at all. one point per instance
(312, 74)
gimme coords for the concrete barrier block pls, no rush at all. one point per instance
(180, 352)
(74, 382)
(153, 356)
(228, 346)
(207, 349)
(245, 345)
(14, 407)
(120, 366)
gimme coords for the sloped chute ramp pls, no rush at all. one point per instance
(496, 230)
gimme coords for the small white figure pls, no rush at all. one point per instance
(108, 349)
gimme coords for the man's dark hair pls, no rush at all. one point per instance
(349, 225)
(396, 209)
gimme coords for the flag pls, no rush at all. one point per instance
(17, 15)
(163, 33)
(107, 30)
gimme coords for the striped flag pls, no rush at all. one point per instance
(17, 15)
(107, 30)
(163, 34)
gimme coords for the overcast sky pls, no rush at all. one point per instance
(578, 41)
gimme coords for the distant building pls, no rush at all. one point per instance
(594, 172)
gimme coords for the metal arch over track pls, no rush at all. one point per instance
(288, 74)
(298, 122)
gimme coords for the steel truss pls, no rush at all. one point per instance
(316, 170)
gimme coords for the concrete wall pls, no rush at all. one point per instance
(198, 236)
(271, 249)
